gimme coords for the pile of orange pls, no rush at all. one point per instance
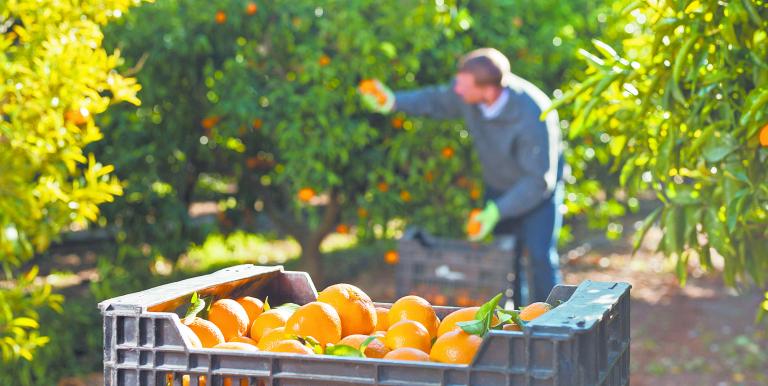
(343, 314)
(369, 86)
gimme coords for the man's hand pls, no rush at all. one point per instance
(486, 220)
(376, 96)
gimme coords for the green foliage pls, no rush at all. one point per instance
(55, 78)
(678, 105)
(252, 109)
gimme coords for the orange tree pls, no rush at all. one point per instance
(254, 104)
(54, 78)
(680, 104)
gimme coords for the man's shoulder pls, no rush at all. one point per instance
(526, 96)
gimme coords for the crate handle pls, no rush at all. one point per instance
(140, 301)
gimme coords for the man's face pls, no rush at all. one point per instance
(468, 90)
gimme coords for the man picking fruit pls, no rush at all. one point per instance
(520, 154)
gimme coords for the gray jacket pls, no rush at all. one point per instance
(519, 152)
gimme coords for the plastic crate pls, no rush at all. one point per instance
(584, 341)
(455, 272)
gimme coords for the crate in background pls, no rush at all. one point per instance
(455, 272)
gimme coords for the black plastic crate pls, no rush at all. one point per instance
(455, 272)
(584, 341)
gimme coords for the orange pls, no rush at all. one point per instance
(342, 229)
(185, 380)
(271, 338)
(368, 86)
(316, 319)
(383, 187)
(405, 196)
(187, 332)
(251, 9)
(534, 310)
(382, 319)
(462, 315)
(447, 152)
(253, 307)
(455, 347)
(210, 122)
(463, 300)
(324, 60)
(209, 334)
(375, 349)
(221, 17)
(243, 339)
(268, 320)
(474, 193)
(397, 122)
(257, 123)
(228, 382)
(362, 213)
(229, 316)
(473, 226)
(306, 194)
(291, 346)
(76, 117)
(391, 257)
(414, 308)
(407, 354)
(408, 333)
(764, 136)
(512, 326)
(355, 308)
(236, 346)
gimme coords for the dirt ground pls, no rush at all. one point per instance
(701, 334)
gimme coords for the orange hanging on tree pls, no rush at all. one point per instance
(210, 122)
(77, 117)
(764, 136)
(251, 9)
(474, 193)
(306, 194)
(257, 122)
(221, 17)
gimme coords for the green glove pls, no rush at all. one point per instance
(376, 96)
(488, 219)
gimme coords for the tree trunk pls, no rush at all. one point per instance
(311, 259)
(309, 238)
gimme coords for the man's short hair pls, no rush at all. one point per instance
(488, 66)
